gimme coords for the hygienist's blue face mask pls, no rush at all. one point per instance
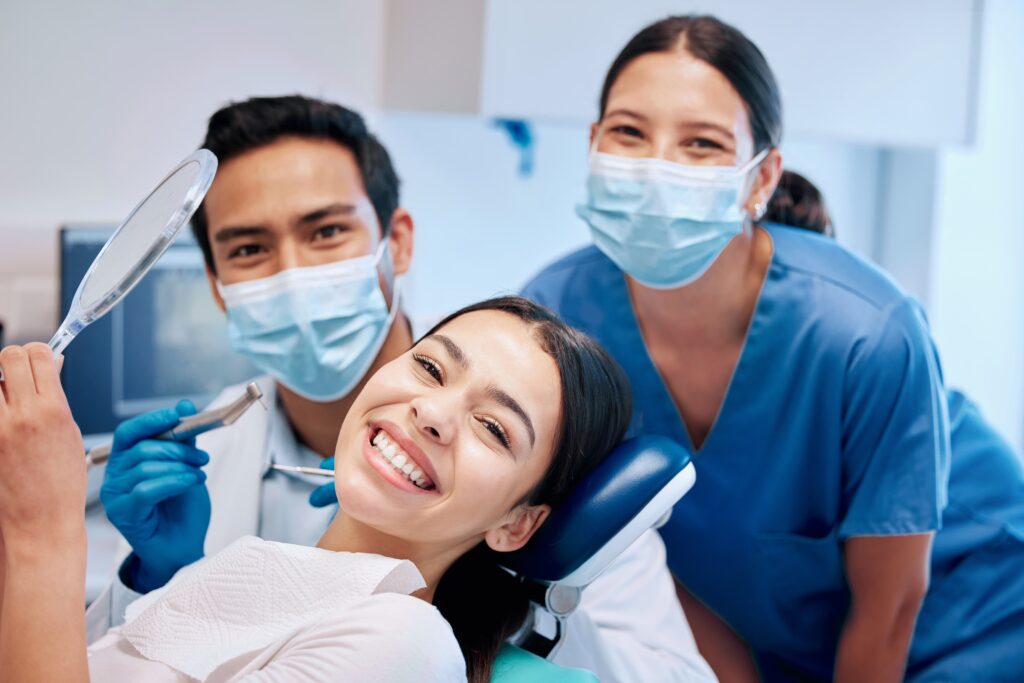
(661, 222)
(315, 329)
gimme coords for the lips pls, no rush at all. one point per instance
(403, 455)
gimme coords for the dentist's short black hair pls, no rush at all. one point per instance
(244, 126)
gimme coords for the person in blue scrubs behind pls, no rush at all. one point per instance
(836, 531)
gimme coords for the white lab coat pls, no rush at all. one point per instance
(629, 627)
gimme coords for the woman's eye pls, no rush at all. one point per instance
(430, 366)
(328, 231)
(499, 432)
(245, 250)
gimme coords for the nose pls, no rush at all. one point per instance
(433, 418)
(288, 254)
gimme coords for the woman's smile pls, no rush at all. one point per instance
(398, 460)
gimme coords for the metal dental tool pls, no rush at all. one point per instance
(193, 425)
(295, 469)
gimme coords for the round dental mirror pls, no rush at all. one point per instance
(137, 244)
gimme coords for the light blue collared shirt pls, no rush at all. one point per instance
(285, 513)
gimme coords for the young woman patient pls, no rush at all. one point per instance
(452, 453)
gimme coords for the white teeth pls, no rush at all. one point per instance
(399, 460)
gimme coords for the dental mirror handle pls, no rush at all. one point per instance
(296, 469)
(67, 331)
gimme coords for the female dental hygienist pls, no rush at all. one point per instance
(822, 534)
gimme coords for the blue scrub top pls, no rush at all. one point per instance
(834, 425)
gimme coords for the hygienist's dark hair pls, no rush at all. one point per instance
(484, 604)
(726, 49)
(797, 202)
(244, 126)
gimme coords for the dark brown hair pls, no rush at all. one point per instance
(797, 202)
(484, 604)
(260, 121)
(728, 51)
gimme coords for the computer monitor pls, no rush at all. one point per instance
(166, 341)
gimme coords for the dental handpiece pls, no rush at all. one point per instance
(194, 425)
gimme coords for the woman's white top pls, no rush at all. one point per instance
(280, 613)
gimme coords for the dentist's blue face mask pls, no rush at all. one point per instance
(661, 222)
(315, 329)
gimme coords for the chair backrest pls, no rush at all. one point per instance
(627, 494)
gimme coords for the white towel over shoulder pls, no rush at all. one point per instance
(274, 612)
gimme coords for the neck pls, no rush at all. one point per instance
(345, 534)
(720, 302)
(316, 424)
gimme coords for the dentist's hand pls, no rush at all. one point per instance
(324, 495)
(155, 494)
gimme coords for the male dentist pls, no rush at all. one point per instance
(302, 225)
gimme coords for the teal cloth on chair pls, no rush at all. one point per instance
(515, 665)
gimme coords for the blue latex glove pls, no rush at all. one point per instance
(155, 494)
(324, 495)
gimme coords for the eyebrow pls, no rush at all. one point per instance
(453, 350)
(713, 126)
(504, 399)
(329, 210)
(493, 392)
(231, 232)
(625, 112)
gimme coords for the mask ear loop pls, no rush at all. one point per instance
(759, 207)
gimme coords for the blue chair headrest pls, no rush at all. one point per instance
(614, 505)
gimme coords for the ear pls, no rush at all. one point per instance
(522, 523)
(217, 298)
(400, 240)
(593, 133)
(769, 171)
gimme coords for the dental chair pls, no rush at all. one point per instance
(631, 491)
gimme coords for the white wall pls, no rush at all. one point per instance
(873, 71)
(977, 303)
(102, 98)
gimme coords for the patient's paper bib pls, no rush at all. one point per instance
(251, 594)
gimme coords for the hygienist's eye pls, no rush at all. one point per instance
(628, 131)
(704, 143)
(430, 366)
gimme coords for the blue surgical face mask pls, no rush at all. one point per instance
(661, 222)
(315, 329)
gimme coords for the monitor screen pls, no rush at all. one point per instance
(166, 341)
